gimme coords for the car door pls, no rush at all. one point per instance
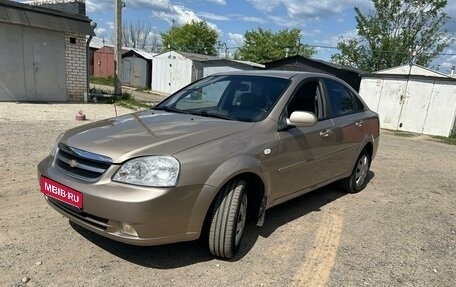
(304, 152)
(348, 115)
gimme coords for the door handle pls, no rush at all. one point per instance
(325, 133)
(359, 123)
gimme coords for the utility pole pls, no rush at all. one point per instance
(117, 47)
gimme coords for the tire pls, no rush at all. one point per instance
(357, 181)
(228, 219)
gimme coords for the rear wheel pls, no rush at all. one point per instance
(357, 181)
(228, 219)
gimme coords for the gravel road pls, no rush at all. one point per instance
(399, 231)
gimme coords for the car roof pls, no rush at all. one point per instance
(271, 73)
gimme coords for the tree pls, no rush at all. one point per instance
(194, 37)
(138, 35)
(263, 46)
(395, 33)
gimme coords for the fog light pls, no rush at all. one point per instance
(126, 228)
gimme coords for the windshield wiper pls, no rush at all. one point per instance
(169, 109)
(212, 115)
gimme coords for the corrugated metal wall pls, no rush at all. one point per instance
(169, 74)
(103, 62)
(32, 64)
(417, 105)
(134, 72)
(441, 114)
(218, 69)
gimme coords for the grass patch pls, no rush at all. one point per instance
(448, 140)
(405, 134)
(108, 81)
(143, 89)
(126, 100)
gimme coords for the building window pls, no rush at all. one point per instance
(72, 40)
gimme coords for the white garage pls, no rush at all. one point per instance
(173, 70)
(412, 98)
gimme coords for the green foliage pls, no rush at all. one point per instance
(194, 37)
(448, 140)
(388, 35)
(263, 46)
(128, 101)
(108, 81)
(125, 100)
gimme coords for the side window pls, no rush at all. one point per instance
(342, 101)
(307, 98)
(359, 106)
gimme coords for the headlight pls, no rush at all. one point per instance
(56, 143)
(158, 171)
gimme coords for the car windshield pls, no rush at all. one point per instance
(232, 97)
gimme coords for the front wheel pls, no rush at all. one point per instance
(228, 219)
(357, 181)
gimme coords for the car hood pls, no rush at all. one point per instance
(149, 133)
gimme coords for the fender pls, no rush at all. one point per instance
(234, 166)
(222, 174)
(366, 140)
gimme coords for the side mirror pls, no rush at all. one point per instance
(302, 119)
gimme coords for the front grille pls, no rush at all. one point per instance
(81, 164)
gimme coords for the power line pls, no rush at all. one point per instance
(378, 50)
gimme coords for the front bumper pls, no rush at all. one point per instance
(158, 215)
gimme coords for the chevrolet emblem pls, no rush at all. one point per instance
(73, 163)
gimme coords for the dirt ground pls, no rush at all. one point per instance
(399, 231)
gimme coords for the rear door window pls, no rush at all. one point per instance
(342, 100)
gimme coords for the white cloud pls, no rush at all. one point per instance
(253, 19)
(162, 9)
(265, 5)
(169, 12)
(286, 21)
(235, 40)
(299, 13)
(100, 31)
(110, 24)
(212, 16)
(181, 16)
(332, 41)
(220, 2)
(448, 63)
(98, 6)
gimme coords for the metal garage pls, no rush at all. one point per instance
(350, 75)
(174, 70)
(32, 67)
(42, 53)
(413, 99)
(137, 68)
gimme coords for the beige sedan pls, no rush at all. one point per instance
(211, 156)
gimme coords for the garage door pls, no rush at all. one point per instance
(32, 64)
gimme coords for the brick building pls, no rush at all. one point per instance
(43, 52)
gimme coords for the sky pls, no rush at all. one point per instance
(322, 22)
